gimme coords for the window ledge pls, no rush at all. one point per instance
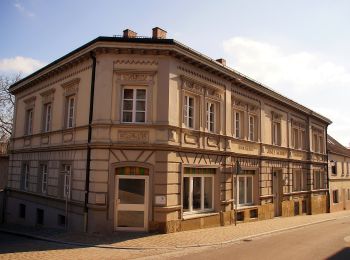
(198, 215)
(247, 207)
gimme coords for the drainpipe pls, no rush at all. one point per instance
(88, 159)
(328, 194)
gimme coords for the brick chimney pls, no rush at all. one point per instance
(222, 61)
(127, 33)
(158, 33)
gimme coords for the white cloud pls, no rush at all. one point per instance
(303, 76)
(20, 64)
(23, 10)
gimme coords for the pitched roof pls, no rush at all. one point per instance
(334, 146)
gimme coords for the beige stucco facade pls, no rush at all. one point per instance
(197, 119)
(339, 175)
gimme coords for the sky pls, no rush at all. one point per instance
(299, 48)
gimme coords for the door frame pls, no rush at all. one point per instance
(277, 191)
(131, 207)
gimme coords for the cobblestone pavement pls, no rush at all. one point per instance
(160, 243)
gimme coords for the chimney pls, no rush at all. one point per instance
(127, 33)
(158, 33)
(222, 61)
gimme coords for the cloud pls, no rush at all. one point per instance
(20, 64)
(302, 76)
(23, 10)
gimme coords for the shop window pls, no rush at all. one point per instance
(198, 189)
(335, 196)
(134, 105)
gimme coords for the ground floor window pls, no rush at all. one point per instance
(244, 188)
(198, 189)
(299, 180)
(335, 196)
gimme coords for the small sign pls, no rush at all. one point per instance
(160, 200)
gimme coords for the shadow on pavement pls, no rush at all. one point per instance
(340, 255)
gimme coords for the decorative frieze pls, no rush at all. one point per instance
(201, 89)
(135, 76)
(191, 139)
(133, 136)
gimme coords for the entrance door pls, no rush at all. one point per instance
(277, 192)
(131, 205)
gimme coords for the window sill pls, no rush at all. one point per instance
(193, 215)
(247, 207)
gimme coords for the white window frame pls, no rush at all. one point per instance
(245, 177)
(26, 176)
(44, 175)
(211, 117)
(67, 182)
(47, 117)
(29, 121)
(238, 124)
(70, 117)
(189, 121)
(276, 133)
(190, 197)
(251, 127)
(134, 101)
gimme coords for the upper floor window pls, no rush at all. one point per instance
(252, 128)
(29, 121)
(238, 124)
(317, 141)
(211, 117)
(334, 167)
(70, 111)
(276, 133)
(189, 112)
(299, 180)
(134, 105)
(43, 184)
(47, 117)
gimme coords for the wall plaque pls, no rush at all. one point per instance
(133, 136)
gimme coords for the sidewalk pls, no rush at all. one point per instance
(186, 239)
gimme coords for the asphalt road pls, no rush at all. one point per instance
(327, 240)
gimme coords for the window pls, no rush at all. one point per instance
(299, 180)
(348, 197)
(335, 196)
(39, 217)
(70, 111)
(276, 133)
(26, 173)
(189, 112)
(238, 124)
(43, 170)
(245, 188)
(134, 105)
(251, 128)
(61, 220)
(319, 180)
(198, 189)
(29, 122)
(334, 167)
(47, 117)
(320, 144)
(211, 117)
(67, 180)
(22, 211)
(295, 138)
(348, 171)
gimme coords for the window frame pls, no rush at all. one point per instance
(70, 114)
(190, 176)
(47, 117)
(134, 101)
(26, 176)
(252, 131)
(276, 133)
(211, 117)
(238, 124)
(29, 121)
(186, 117)
(245, 177)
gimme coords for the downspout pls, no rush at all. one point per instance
(328, 194)
(88, 159)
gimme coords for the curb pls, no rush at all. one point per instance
(232, 241)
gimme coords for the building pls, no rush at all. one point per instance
(339, 175)
(139, 133)
(4, 163)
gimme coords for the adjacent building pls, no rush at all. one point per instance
(137, 133)
(339, 175)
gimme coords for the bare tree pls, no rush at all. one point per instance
(7, 104)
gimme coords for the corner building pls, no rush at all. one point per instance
(143, 133)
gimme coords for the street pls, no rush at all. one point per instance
(327, 240)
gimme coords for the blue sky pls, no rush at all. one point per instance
(299, 48)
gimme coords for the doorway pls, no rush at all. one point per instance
(131, 202)
(277, 191)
